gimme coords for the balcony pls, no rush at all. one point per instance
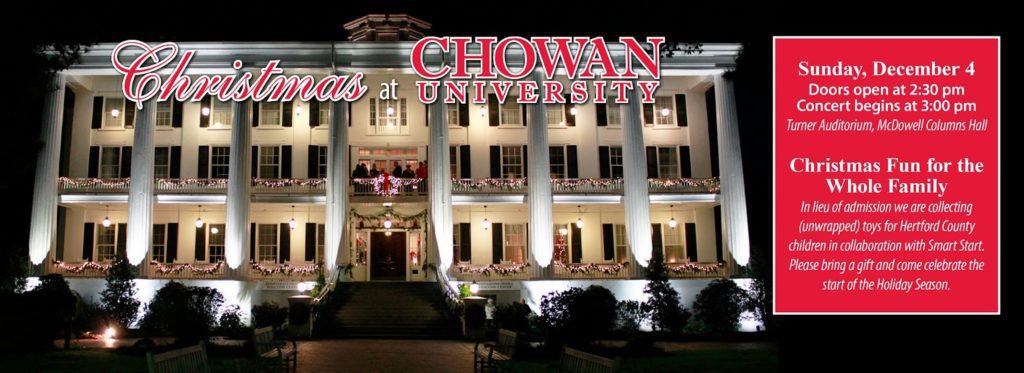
(315, 187)
(283, 272)
(489, 186)
(697, 270)
(490, 272)
(186, 271)
(586, 271)
(585, 186)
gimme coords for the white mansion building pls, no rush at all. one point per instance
(256, 196)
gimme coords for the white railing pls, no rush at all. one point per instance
(490, 272)
(684, 185)
(696, 270)
(186, 270)
(92, 185)
(289, 186)
(586, 186)
(591, 270)
(192, 186)
(489, 186)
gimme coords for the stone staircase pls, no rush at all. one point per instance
(392, 310)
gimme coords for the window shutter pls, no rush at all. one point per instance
(648, 113)
(349, 112)
(286, 161)
(286, 113)
(201, 243)
(204, 162)
(255, 113)
(495, 161)
(602, 114)
(604, 157)
(176, 107)
(492, 110)
(522, 115)
(129, 114)
(497, 243)
(426, 114)
(94, 161)
(313, 164)
(684, 162)
(691, 241)
(712, 107)
(310, 242)
(681, 110)
(252, 242)
(285, 245)
(656, 241)
(87, 240)
(577, 244)
(718, 234)
(97, 117)
(255, 162)
(204, 120)
(122, 240)
(314, 113)
(526, 162)
(175, 162)
(608, 236)
(465, 158)
(126, 161)
(571, 162)
(570, 120)
(172, 242)
(465, 242)
(652, 162)
(464, 115)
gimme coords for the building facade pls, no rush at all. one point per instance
(262, 195)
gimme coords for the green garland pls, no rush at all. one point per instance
(420, 217)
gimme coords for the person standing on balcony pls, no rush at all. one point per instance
(421, 171)
(374, 172)
(360, 172)
(408, 173)
(397, 170)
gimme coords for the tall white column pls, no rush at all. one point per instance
(337, 186)
(44, 199)
(236, 241)
(140, 191)
(734, 199)
(539, 183)
(439, 181)
(634, 184)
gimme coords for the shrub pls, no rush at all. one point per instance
(475, 315)
(230, 322)
(42, 314)
(187, 312)
(90, 318)
(666, 312)
(719, 306)
(577, 316)
(269, 314)
(632, 314)
(514, 316)
(120, 298)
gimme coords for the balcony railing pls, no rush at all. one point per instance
(67, 185)
(192, 186)
(78, 269)
(584, 186)
(401, 187)
(591, 270)
(283, 272)
(696, 270)
(289, 186)
(186, 271)
(490, 272)
(684, 185)
(489, 186)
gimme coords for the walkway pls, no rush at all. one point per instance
(385, 355)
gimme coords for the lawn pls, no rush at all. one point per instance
(99, 360)
(711, 360)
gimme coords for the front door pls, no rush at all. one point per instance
(387, 256)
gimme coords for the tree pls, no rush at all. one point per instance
(187, 312)
(578, 316)
(759, 297)
(15, 273)
(120, 298)
(666, 311)
(719, 306)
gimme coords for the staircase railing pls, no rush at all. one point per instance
(451, 296)
(331, 280)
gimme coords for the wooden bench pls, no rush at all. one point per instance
(491, 357)
(188, 359)
(577, 361)
(275, 354)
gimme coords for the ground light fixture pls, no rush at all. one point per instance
(672, 223)
(486, 224)
(579, 220)
(199, 220)
(292, 223)
(106, 219)
(474, 288)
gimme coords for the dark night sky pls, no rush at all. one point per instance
(804, 341)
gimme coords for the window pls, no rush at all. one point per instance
(674, 250)
(162, 162)
(561, 243)
(453, 160)
(325, 113)
(388, 112)
(109, 119)
(270, 114)
(615, 161)
(266, 243)
(509, 113)
(554, 115)
(664, 109)
(668, 163)
(453, 116)
(321, 239)
(456, 243)
(270, 162)
(321, 161)
(512, 162)
(515, 243)
(163, 114)
(160, 243)
(215, 243)
(621, 244)
(110, 163)
(221, 113)
(219, 161)
(558, 167)
(614, 113)
(106, 241)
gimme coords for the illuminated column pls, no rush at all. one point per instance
(734, 200)
(44, 197)
(439, 178)
(236, 241)
(337, 186)
(635, 197)
(539, 182)
(140, 191)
